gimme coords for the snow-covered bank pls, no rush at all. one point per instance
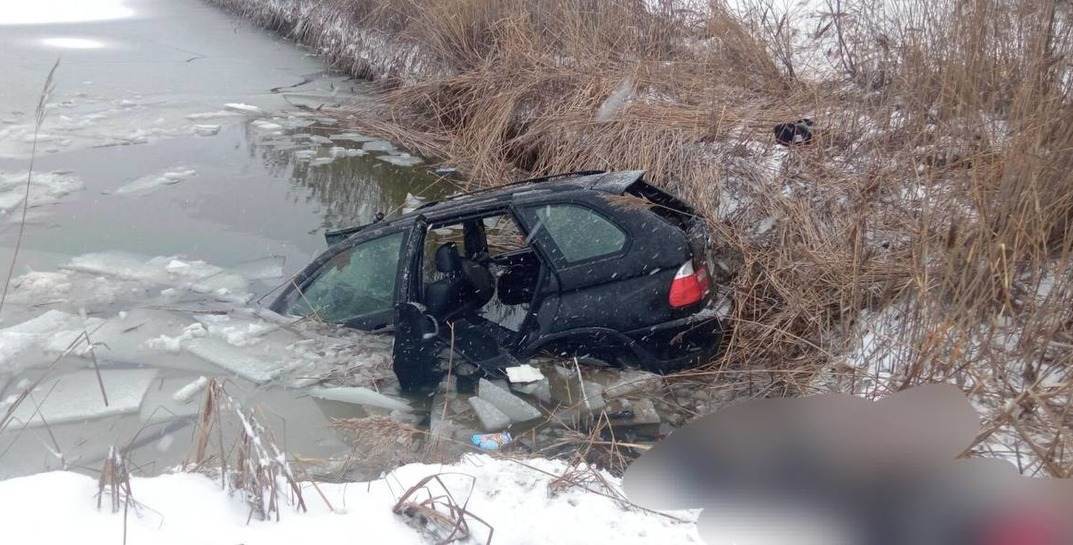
(188, 509)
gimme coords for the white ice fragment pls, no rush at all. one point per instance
(492, 419)
(244, 108)
(156, 180)
(186, 393)
(378, 145)
(45, 188)
(402, 159)
(350, 137)
(206, 129)
(23, 345)
(523, 373)
(359, 396)
(337, 151)
(266, 126)
(212, 115)
(321, 161)
(261, 269)
(175, 344)
(511, 405)
(353, 152)
(304, 154)
(241, 361)
(77, 397)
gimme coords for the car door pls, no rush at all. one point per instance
(414, 355)
(354, 285)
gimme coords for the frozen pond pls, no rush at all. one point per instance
(182, 171)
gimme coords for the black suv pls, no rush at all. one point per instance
(594, 263)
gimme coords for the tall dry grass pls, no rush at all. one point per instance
(924, 235)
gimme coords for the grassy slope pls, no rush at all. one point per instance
(925, 235)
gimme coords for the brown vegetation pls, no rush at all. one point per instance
(933, 210)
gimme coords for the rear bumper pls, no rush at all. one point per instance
(678, 344)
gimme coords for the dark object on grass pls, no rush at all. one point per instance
(598, 264)
(798, 132)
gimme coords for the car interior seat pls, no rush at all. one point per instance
(464, 288)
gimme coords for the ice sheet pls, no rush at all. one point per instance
(359, 396)
(36, 341)
(45, 188)
(77, 396)
(250, 364)
(193, 275)
(156, 180)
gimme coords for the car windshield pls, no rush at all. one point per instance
(355, 282)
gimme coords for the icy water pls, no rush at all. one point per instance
(182, 170)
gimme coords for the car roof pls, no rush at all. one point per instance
(602, 181)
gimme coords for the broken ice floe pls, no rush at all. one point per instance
(523, 374)
(350, 137)
(45, 188)
(267, 126)
(152, 182)
(401, 159)
(492, 419)
(244, 108)
(194, 275)
(360, 396)
(187, 393)
(206, 129)
(514, 407)
(35, 342)
(378, 145)
(78, 396)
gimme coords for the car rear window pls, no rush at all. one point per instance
(578, 232)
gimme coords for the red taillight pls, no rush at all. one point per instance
(689, 286)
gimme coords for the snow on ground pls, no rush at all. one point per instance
(187, 509)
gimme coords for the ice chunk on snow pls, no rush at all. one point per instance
(360, 396)
(186, 393)
(511, 405)
(244, 108)
(492, 419)
(151, 182)
(77, 396)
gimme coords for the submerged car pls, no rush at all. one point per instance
(592, 263)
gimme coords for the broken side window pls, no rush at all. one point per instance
(354, 283)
